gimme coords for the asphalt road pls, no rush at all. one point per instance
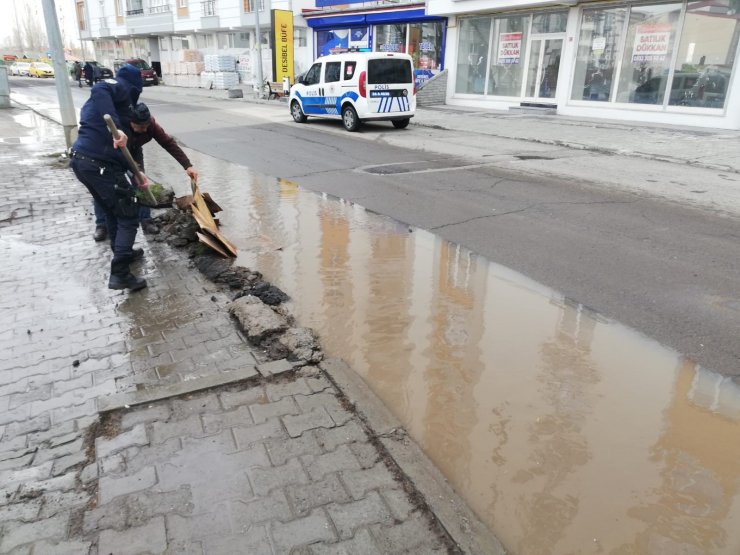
(668, 270)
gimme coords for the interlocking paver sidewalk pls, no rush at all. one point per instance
(267, 465)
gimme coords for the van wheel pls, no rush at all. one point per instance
(401, 123)
(349, 118)
(297, 113)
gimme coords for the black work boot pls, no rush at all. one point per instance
(136, 254)
(129, 281)
(101, 232)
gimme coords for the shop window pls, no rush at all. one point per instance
(472, 55)
(649, 45)
(332, 72)
(508, 55)
(554, 22)
(598, 53)
(390, 38)
(706, 54)
(425, 44)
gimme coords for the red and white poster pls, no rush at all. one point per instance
(651, 43)
(509, 48)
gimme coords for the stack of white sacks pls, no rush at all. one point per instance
(219, 72)
(186, 72)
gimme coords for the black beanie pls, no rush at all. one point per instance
(141, 114)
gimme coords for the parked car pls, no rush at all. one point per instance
(148, 75)
(20, 68)
(40, 69)
(99, 71)
(356, 87)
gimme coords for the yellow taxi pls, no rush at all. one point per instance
(40, 69)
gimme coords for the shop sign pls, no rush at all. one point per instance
(359, 38)
(426, 47)
(281, 42)
(509, 48)
(391, 47)
(651, 43)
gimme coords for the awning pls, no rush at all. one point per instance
(361, 20)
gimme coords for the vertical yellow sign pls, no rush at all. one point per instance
(282, 45)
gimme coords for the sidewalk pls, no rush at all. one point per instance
(225, 456)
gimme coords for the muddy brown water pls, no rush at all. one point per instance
(565, 432)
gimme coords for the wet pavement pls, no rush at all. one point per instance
(565, 431)
(270, 465)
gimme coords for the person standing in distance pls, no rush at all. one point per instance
(100, 166)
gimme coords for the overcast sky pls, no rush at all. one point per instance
(65, 14)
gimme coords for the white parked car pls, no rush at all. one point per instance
(357, 87)
(20, 68)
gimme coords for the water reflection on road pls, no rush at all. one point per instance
(564, 431)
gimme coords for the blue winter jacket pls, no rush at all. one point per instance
(111, 96)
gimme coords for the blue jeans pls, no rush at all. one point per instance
(145, 213)
(121, 228)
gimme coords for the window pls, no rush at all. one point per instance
(508, 54)
(648, 50)
(250, 4)
(598, 53)
(425, 44)
(332, 72)
(554, 22)
(300, 35)
(349, 70)
(388, 70)
(182, 3)
(706, 54)
(475, 34)
(390, 38)
(314, 75)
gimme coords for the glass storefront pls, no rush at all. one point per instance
(669, 54)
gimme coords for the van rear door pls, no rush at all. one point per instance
(390, 85)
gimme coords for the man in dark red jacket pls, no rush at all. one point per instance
(145, 128)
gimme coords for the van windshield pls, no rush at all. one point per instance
(388, 71)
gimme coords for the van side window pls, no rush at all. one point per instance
(314, 74)
(332, 72)
(349, 70)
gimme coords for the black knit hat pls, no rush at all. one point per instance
(141, 114)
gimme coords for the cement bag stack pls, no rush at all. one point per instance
(223, 68)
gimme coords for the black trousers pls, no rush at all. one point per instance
(121, 228)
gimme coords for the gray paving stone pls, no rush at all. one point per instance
(12, 446)
(285, 406)
(264, 480)
(64, 464)
(64, 482)
(148, 539)
(233, 399)
(24, 511)
(61, 548)
(318, 383)
(317, 418)
(329, 401)
(245, 436)
(44, 455)
(413, 534)
(274, 368)
(245, 514)
(213, 423)
(141, 415)
(110, 488)
(348, 517)
(303, 498)
(340, 459)
(398, 502)
(137, 436)
(197, 527)
(359, 482)
(361, 544)
(303, 531)
(64, 439)
(276, 391)
(51, 528)
(280, 450)
(182, 408)
(331, 438)
(190, 427)
(254, 541)
(63, 502)
(80, 382)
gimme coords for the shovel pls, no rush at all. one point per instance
(127, 155)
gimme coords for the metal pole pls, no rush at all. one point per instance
(64, 90)
(260, 88)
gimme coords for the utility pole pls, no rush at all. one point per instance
(259, 47)
(64, 90)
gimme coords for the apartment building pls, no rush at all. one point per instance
(658, 62)
(160, 31)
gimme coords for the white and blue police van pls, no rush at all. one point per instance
(357, 87)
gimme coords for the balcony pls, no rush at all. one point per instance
(153, 16)
(208, 17)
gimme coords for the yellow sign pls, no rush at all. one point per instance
(282, 45)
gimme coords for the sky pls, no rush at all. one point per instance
(65, 14)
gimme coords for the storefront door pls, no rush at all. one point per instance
(543, 66)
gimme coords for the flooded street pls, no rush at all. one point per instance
(566, 432)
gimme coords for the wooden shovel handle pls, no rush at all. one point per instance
(127, 155)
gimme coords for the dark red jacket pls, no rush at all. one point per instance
(154, 131)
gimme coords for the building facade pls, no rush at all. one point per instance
(160, 31)
(659, 62)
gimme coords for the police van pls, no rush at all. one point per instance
(357, 87)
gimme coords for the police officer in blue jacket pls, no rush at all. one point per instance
(99, 164)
